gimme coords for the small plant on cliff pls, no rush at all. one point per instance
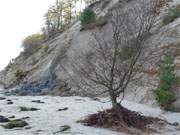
(89, 20)
(87, 17)
(32, 43)
(20, 75)
(172, 15)
(164, 94)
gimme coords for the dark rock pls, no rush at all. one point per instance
(38, 131)
(10, 103)
(3, 119)
(33, 88)
(2, 98)
(63, 129)
(63, 109)
(27, 128)
(80, 100)
(11, 117)
(37, 101)
(15, 124)
(24, 118)
(7, 93)
(96, 99)
(28, 109)
(175, 124)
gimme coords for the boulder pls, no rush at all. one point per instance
(3, 119)
(38, 101)
(2, 98)
(63, 109)
(15, 124)
(28, 109)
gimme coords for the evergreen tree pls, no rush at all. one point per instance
(87, 17)
(164, 94)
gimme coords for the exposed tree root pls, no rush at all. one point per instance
(122, 119)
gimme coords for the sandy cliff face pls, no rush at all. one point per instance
(47, 69)
(48, 65)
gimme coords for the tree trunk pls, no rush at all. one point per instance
(80, 6)
(113, 99)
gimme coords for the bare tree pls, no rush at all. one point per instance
(68, 11)
(114, 62)
(59, 16)
(80, 5)
(54, 18)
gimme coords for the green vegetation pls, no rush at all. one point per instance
(15, 124)
(32, 43)
(87, 17)
(59, 17)
(164, 98)
(34, 61)
(128, 51)
(89, 20)
(46, 48)
(164, 94)
(20, 75)
(173, 14)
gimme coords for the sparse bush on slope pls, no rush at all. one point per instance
(87, 17)
(20, 75)
(32, 43)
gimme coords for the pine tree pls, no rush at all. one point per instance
(164, 94)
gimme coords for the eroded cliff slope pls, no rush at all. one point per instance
(49, 70)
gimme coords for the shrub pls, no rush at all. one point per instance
(87, 17)
(100, 22)
(172, 15)
(128, 51)
(46, 49)
(164, 94)
(32, 43)
(164, 97)
(20, 75)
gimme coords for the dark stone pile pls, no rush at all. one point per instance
(3, 119)
(33, 88)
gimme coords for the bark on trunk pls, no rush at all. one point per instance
(113, 100)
